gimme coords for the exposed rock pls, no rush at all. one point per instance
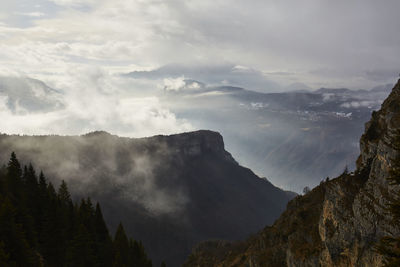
(197, 143)
(338, 222)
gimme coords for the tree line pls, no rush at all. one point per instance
(42, 226)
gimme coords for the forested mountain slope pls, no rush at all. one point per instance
(40, 226)
(169, 191)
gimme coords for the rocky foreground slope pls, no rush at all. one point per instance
(338, 222)
(170, 192)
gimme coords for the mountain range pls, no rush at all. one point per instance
(293, 138)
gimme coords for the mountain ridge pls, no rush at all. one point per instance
(337, 223)
(168, 191)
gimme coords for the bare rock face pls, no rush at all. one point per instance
(197, 143)
(336, 224)
(358, 216)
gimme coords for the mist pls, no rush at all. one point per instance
(275, 134)
(99, 164)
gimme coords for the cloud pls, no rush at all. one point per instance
(31, 14)
(261, 39)
(127, 169)
(382, 75)
(90, 99)
(173, 75)
(359, 104)
(328, 97)
(177, 84)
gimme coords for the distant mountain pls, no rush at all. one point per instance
(171, 192)
(261, 130)
(297, 87)
(221, 74)
(293, 138)
(29, 95)
(339, 222)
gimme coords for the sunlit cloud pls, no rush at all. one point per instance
(266, 36)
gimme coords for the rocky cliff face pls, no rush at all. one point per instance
(197, 143)
(338, 222)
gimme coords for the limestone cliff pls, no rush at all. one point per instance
(337, 223)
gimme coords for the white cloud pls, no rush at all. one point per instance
(30, 14)
(174, 84)
(328, 97)
(265, 35)
(92, 100)
(359, 104)
(74, 3)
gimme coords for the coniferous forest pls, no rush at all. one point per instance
(41, 226)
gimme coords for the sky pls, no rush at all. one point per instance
(319, 43)
(119, 53)
(82, 48)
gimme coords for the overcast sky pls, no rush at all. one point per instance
(343, 43)
(81, 48)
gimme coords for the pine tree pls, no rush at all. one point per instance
(14, 179)
(80, 252)
(64, 221)
(139, 257)
(16, 193)
(13, 237)
(42, 227)
(121, 248)
(104, 246)
(63, 193)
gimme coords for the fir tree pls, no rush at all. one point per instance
(42, 227)
(63, 193)
(121, 248)
(80, 252)
(13, 237)
(14, 178)
(104, 246)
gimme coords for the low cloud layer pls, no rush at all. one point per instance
(93, 101)
(125, 169)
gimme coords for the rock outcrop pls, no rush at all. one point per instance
(336, 224)
(197, 143)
